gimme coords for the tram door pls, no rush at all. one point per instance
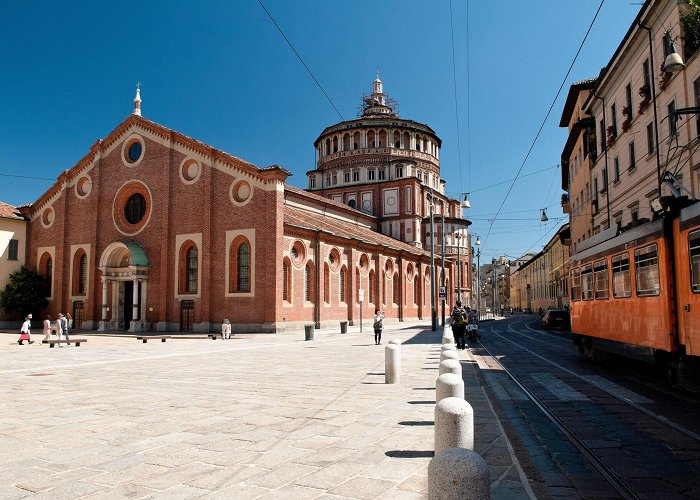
(186, 315)
(78, 314)
(688, 288)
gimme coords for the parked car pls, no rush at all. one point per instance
(556, 318)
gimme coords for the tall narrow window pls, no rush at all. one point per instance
(342, 285)
(646, 267)
(307, 283)
(191, 279)
(46, 271)
(616, 163)
(603, 143)
(628, 99)
(575, 284)
(694, 252)
(285, 281)
(12, 249)
(587, 282)
(370, 288)
(646, 70)
(395, 289)
(672, 125)
(600, 274)
(613, 120)
(650, 138)
(243, 261)
(326, 283)
(82, 275)
(633, 156)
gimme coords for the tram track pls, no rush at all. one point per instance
(623, 485)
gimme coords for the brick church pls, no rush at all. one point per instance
(120, 247)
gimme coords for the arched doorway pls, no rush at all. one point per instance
(124, 268)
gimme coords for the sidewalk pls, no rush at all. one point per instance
(258, 416)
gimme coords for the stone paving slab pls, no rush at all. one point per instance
(258, 416)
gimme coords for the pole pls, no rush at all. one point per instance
(458, 237)
(360, 316)
(442, 250)
(433, 316)
(493, 289)
(478, 282)
(653, 99)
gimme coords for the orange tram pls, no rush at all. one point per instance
(637, 294)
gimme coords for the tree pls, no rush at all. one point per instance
(24, 293)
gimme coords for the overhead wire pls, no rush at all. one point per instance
(549, 111)
(300, 59)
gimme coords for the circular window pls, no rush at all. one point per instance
(298, 253)
(83, 186)
(189, 171)
(389, 267)
(364, 263)
(47, 217)
(135, 151)
(334, 259)
(131, 208)
(135, 208)
(409, 271)
(241, 192)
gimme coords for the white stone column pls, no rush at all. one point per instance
(135, 301)
(142, 316)
(105, 306)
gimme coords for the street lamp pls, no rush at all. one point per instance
(478, 275)
(458, 237)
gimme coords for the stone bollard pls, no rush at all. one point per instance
(448, 385)
(450, 366)
(448, 347)
(447, 340)
(395, 342)
(392, 364)
(454, 424)
(448, 354)
(457, 473)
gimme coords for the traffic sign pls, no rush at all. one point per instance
(361, 294)
(443, 292)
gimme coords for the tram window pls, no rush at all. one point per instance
(587, 282)
(600, 276)
(694, 244)
(646, 268)
(576, 284)
(622, 286)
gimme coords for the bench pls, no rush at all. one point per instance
(53, 342)
(146, 338)
(213, 336)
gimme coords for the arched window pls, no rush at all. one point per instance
(46, 271)
(406, 140)
(416, 282)
(358, 284)
(395, 290)
(239, 266)
(326, 284)
(346, 142)
(188, 268)
(370, 289)
(79, 280)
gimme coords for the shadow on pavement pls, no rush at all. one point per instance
(425, 337)
(409, 453)
(417, 422)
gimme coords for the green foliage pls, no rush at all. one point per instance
(24, 293)
(691, 29)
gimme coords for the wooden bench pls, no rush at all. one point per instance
(213, 336)
(162, 338)
(53, 342)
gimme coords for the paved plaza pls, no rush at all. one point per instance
(257, 416)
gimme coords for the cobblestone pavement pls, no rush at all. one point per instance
(257, 416)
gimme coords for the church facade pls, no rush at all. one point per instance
(154, 230)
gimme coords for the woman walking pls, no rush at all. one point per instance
(378, 326)
(47, 329)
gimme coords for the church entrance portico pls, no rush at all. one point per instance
(124, 268)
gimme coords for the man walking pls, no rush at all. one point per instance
(64, 325)
(25, 331)
(459, 324)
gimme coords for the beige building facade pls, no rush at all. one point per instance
(644, 150)
(13, 245)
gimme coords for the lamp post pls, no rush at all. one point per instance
(433, 315)
(442, 271)
(478, 276)
(458, 238)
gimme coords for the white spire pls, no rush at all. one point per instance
(137, 100)
(377, 85)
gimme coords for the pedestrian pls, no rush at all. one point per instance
(473, 323)
(47, 329)
(25, 331)
(225, 329)
(65, 326)
(458, 322)
(58, 328)
(70, 321)
(378, 326)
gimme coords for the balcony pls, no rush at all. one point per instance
(565, 205)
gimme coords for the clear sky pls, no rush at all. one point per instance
(219, 71)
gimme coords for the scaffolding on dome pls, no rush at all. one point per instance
(369, 102)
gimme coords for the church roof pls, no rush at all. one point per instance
(8, 211)
(297, 217)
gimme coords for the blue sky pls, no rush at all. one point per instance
(220, 72)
